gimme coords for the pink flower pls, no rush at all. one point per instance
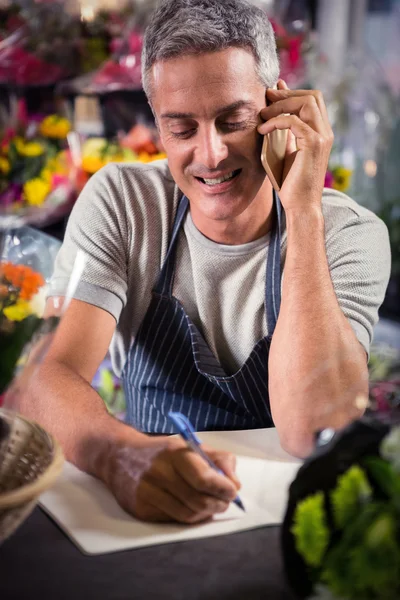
(294, 51)
(22, 113)
(328, 179)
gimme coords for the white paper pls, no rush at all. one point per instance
(91, 517)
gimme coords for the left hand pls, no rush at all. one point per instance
(309, 144)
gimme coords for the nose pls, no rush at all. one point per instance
(211, 148)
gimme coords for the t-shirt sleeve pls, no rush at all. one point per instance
(98, 226)
(359, 261)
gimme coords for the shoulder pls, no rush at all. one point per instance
(340, 210)
(128, 192)
(354, 233)
(345, 217)
(125, 181)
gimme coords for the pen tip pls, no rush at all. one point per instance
(240, 504)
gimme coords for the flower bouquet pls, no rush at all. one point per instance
(26, 266)
(38, 171)
(121, 71)
(141, 144)
(39, 44)
(341, 532)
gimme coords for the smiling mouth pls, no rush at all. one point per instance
(219, 180)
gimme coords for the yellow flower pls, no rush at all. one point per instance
(28, 148)
(57, 164)
(18, 311)
(341, 178)
(36, 190)
(4, 165)
(55, 127)
(158, 156)
(46, 175)
(91, 164)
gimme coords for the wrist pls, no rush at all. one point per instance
(98, 452)
(305, 219)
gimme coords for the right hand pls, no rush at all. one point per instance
(163, 480)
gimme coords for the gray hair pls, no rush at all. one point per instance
(179, 27)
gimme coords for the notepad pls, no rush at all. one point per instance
(88, 513)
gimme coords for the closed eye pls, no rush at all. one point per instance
(233, 126)
(183, 134)
(227, 126)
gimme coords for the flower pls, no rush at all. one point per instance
(24, 280)
(341, 533)
(310, 529)
(28, 148)
(36, 190)
(4, 165)
(341, 178)
(328, 179)
(55, 126)
(18, 311)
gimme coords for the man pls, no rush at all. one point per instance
(184, 272)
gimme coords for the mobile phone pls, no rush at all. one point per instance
(273, 156)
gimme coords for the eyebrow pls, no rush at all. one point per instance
(224, 109)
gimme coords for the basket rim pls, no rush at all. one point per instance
(29, 491)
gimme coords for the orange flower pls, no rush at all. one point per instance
(25, 279)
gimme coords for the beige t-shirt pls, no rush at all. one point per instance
(123, 220)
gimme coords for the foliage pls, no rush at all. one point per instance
(310, 529)
(352, 491)
(356, 553)
(19, 317)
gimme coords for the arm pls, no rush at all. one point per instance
(154, 478)
(317, 366)
(61, 397)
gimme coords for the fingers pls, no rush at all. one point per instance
(226, 462)
(308, 105)
(154, 504)
(167, 478)
(284, 92)
(305, 107)
(305, 135)
(201, 477)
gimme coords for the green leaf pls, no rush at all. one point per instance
(390, 448)
(310, 529)
(338, 571)
(386, 478)
(375, 563)
(12, 345)
(351, 492)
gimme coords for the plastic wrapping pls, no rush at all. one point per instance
(26, 265)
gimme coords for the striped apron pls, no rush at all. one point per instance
(170, 367)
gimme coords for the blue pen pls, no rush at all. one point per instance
(187, 432)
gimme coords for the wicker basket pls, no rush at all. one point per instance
(30, 461)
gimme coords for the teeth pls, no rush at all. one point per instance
(219, 179)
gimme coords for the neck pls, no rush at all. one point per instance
(250, 225)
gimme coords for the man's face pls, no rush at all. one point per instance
(207, 108)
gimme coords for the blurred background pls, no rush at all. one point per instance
(71, 101)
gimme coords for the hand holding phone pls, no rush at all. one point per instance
(296, 162)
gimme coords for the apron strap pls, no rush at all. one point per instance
(166, 278)
(273, 264)
(273, 274)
